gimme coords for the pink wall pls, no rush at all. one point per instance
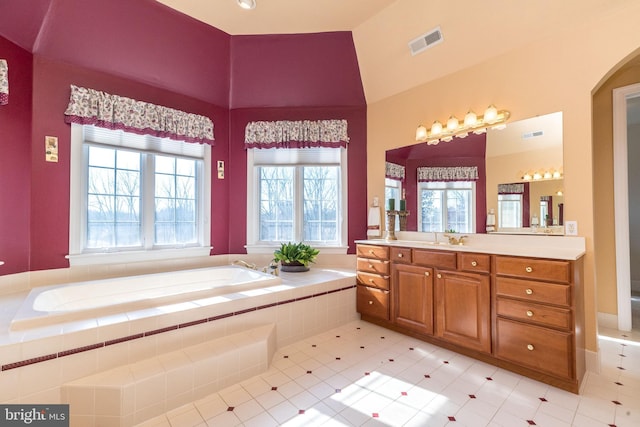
(15, 164)
(173, 60)
(50, 181)
(293, 70)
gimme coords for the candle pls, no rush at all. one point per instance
(392, 204)
(403, 205)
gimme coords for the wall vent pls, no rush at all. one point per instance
(425, 41)
(534, 134)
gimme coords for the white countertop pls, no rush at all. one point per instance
(538, 246)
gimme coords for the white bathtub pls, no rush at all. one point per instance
(86, 300)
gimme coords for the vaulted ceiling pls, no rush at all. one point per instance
(473, 31)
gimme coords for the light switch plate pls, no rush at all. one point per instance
(571, 228)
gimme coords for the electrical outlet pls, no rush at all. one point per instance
(571, 228)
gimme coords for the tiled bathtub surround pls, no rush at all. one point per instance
(322, 298)
(360, 374)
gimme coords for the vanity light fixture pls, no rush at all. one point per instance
(541, 175)
(492, 118)
(247, 4)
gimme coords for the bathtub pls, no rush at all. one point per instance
(55, 304)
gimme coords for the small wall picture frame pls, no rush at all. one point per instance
(51, 148)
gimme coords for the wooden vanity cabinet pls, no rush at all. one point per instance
(373, 273)
(463, 309)
(521, 313)
(412, 297)
(538, 317)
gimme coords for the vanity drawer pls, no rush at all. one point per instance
(439, 259)
(550, 293)
(371, 251)
(535, 347)
(543, 315)
(372, 302)
(375, 280)
(531, 268)
(475, 263)
(401, 255)
(373, 266)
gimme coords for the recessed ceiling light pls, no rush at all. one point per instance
(247, 4)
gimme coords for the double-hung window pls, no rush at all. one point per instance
(296, 194)
(446, 206)
(133, 194)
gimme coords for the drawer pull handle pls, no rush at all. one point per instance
(530, 347)
(529, 313)
(528, 291)
(370, 302)
(371, 266)
(399, 255)
(439, 276)
(528, 269)
(474, 264)
(426, 273)
(371, 281)
(371, 251)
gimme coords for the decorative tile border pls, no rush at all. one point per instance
(77, 350)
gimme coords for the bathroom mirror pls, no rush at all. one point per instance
(529, 148)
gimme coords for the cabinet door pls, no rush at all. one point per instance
(412, 296)
(463, 309)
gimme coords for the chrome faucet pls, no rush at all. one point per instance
(244, 263)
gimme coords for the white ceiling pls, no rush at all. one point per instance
(474, 31)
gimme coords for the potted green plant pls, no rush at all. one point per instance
(295, 256)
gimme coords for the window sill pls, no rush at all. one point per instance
(136, 256)
(268, 249)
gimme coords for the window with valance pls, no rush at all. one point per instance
(296, 134)
(394, 171)
(4, 82)
(444, 174)
(297, 181)
(93, 107)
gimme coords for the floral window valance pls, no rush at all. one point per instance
(394, 171)
(458, 173)
(296, 134)
(93, 107)
(4, 82)
(517, 188)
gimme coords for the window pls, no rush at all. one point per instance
(509, 210)
(137, 193)
(296, 195)
(393, 190)
(447, 206)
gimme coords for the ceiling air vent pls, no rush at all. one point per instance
(532, 134)
(425, 41)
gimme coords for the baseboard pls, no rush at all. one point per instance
(592, 361)
(607, 320)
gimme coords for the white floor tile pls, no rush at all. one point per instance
(360, 374)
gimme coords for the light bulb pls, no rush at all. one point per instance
(421, 133)
(470, 119)
(537, 175)
(547, 175)
(436, 128)
(490, 114)
(452, 124)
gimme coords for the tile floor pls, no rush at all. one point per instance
(363, 375)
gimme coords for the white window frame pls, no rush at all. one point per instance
(149, 252)
(255, 245)
(445, 186)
